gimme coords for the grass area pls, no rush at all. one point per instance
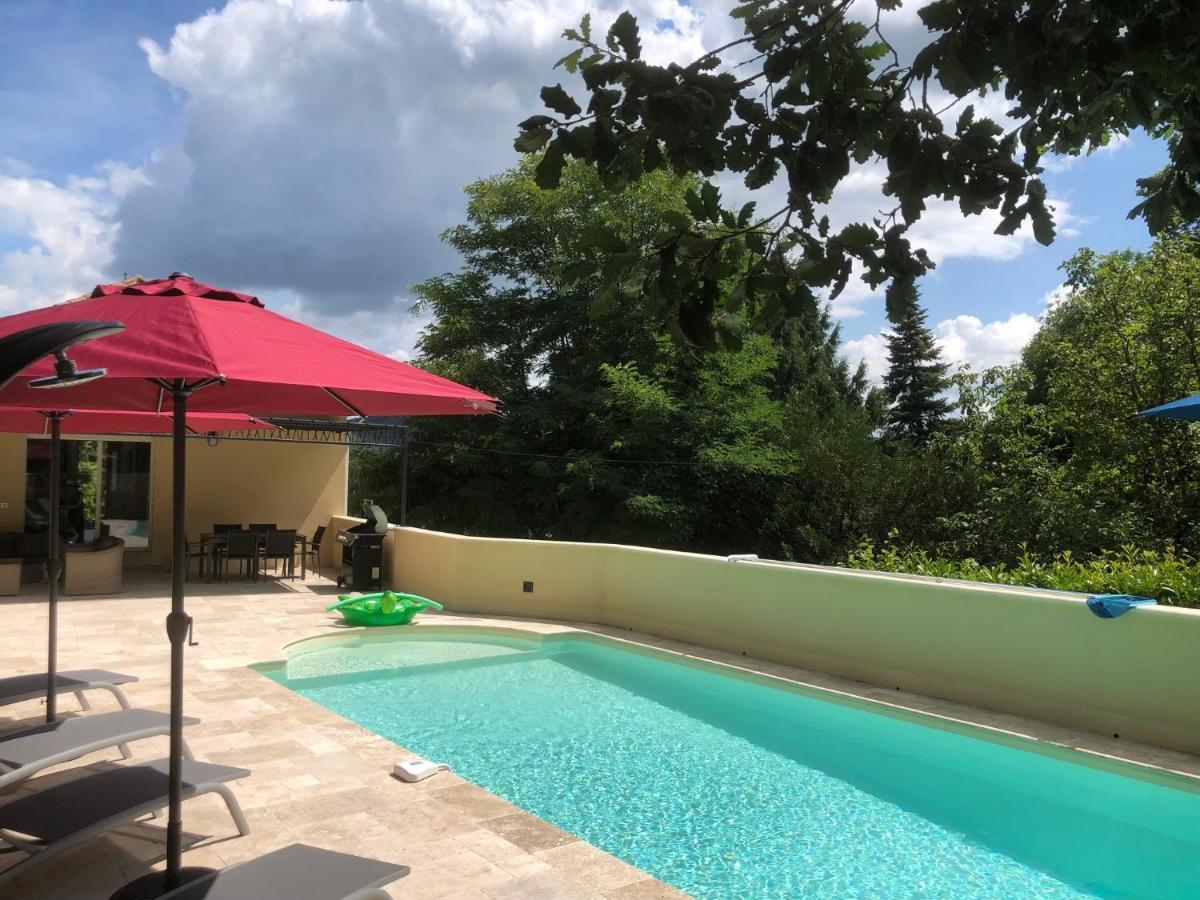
(1169, 578)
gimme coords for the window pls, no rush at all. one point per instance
(105, 488)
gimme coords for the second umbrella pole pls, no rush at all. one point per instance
(53, 563)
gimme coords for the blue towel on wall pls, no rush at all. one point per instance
(1109, 606)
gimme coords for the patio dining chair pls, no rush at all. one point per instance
(241, 546)
(312, 550)
(280, 546)
(224, 528)
(263, 527)
(195, 550)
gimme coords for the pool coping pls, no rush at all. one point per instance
(1168, 768)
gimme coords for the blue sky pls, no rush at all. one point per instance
(1101, 190)
(316, 148)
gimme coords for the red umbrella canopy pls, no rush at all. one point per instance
(18, 420)
(251, 359)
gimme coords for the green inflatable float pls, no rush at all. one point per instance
(387, 608)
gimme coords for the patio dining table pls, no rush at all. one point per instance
(210, 541)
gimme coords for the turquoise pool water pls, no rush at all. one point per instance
(726, 787)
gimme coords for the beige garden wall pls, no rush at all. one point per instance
(1034, 653)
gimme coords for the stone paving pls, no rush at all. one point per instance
(323, 780)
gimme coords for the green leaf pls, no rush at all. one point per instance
(940, 16)
(549, 171)
(712, 200)
(560, 101)
(602, 239)
(676, 219)
(624, 35)
(857, 236)
(532, 140)
(695, 205)
(570, 62)
(535, 122)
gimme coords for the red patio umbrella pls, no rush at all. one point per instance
(190, 345)
(54, 424)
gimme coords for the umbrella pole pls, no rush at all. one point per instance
(178, 623)
(53, 564)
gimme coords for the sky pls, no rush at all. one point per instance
(312, 151)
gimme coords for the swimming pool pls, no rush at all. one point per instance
(729, 786)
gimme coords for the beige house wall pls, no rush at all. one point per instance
(297, 486)
(12, 482)
(1035, 653)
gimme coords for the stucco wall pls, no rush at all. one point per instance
(1034, 653)
(295, 485)
(12, 482)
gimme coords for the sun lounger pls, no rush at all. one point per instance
(296, 872)
(25, 753)
(16, 688)
(50, 821)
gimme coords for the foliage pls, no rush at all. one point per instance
(1165, 577)
(611, 429)
(1058, 457)
(916, 382)
(810, 92)
(614, 430)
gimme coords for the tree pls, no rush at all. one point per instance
(916, 382)
(611, 429)
(1061, 460)
(809, 92)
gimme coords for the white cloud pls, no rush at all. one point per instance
(962, 340)
(1056, 296)
(871, 350)
(62, 234)
(326, 143)
(967, 339)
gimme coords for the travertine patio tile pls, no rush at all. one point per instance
(591, 867)
(444, 876)
(551, 885)
(474, 802)
(528, 832)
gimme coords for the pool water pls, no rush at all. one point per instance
(728, 787)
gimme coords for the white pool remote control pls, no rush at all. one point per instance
(417, 769)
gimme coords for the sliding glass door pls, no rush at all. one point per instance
(105, 489)
(124, 507)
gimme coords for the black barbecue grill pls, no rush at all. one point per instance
(362, 551)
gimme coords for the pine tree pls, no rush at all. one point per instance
(917, 378)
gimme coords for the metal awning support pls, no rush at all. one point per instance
(321, 431)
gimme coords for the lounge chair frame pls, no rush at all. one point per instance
(13, 689)
(210, 779)
(156, 727)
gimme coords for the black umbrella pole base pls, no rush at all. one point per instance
(154, 884)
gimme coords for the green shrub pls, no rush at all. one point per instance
(1170, 579)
